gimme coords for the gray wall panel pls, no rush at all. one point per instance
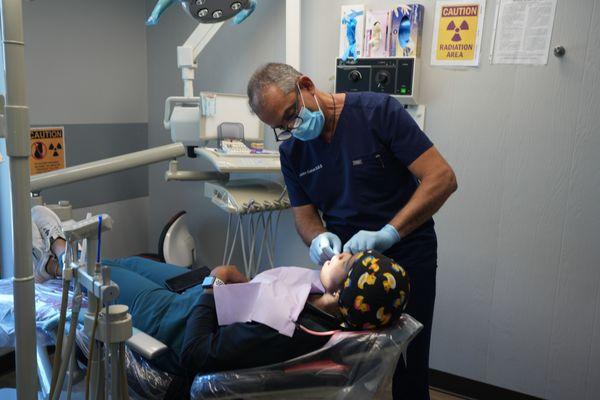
(86, 61)
(574, 361)
(85, 143)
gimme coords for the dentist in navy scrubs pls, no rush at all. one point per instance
(361, 175)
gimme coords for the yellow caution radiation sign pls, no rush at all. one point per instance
(47, 150)
(458, 32)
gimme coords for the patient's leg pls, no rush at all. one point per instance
(154, 271)
(156, 311)
(48, 243)
(54, 266)
(132, 285)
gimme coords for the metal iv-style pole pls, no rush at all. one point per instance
(17, 143)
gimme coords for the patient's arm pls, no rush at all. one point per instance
(209, 348)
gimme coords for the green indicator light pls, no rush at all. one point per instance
(403, 90)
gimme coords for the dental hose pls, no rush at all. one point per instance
(70, 342)
(123, 380)
(88, 372)
(61, 322)
(72, 362)
(60, 336)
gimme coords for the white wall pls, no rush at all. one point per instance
(518, 302)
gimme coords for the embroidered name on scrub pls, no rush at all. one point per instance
(310, 171)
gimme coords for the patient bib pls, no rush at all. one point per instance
(274, 298)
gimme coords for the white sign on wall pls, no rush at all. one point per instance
(522, 31)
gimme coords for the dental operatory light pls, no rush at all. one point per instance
(212, 11)
(207, 11)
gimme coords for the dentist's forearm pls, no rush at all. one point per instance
(429, 197)
(308, 223)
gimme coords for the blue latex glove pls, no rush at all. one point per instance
(324, 247)
(245, 13)
(380, 240)
(159, 8)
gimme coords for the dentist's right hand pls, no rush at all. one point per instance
(324, 246)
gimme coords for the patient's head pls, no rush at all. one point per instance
(334, 272)
(374, 292)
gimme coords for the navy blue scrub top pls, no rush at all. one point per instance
(360, 180)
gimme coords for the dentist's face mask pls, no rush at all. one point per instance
(312, 122)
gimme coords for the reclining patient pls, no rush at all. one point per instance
(364, 291)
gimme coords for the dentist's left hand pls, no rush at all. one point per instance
(380, 240)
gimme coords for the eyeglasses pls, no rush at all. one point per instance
(283, 134)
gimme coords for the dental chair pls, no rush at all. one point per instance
(352, 365)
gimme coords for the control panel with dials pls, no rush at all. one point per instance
(395, 76)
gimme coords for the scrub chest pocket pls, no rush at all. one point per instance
(371, 174)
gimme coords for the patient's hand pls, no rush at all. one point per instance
(229, 274)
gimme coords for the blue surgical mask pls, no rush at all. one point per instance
(312, 122)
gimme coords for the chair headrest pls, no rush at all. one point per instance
(176, 245)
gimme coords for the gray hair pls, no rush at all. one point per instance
(282, 76)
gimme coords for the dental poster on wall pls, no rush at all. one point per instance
(47, 149)
(457, 33)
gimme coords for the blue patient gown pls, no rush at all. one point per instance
(155, 310)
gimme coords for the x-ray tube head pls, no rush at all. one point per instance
(212, 11)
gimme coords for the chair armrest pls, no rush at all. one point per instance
(145, 345)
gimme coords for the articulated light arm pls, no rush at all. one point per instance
(107, 166)
(190, 50)
(211, 22)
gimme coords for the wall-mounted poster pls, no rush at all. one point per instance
(457, 32)
(47, 149)
(523, 31)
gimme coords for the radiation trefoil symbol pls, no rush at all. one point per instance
(55, 149)
(464, 26)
